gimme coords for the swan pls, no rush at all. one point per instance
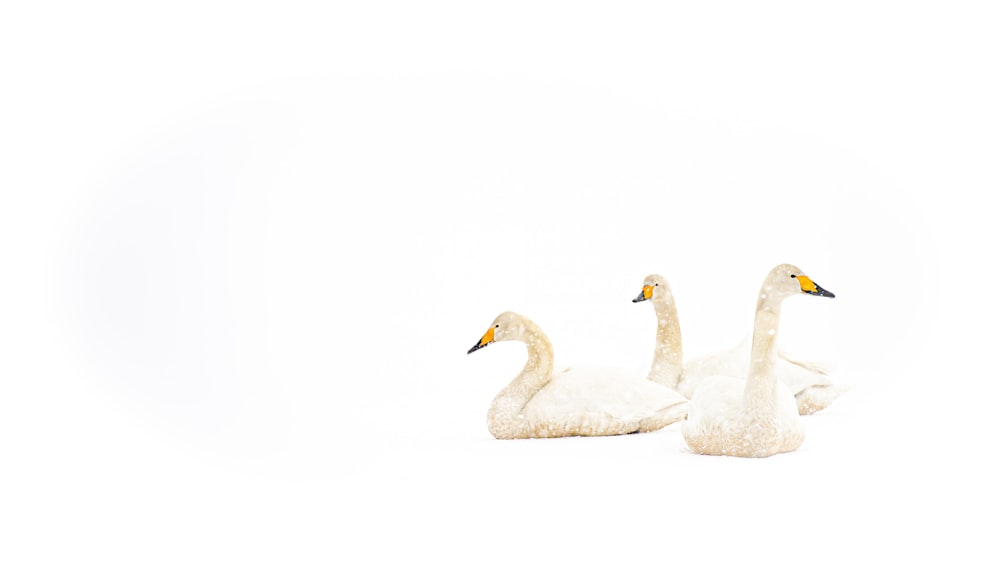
(668, 358)
(573, 401)
(758, 416)
(809, 383)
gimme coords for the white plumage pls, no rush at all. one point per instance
(758, 416)
(809, 382)
(542, 402)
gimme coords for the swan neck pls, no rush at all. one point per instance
(505, 418)
(762, 379)
(540, 355)
(668, 359)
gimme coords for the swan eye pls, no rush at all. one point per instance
(498, 326)
(656, 284)
(793, 275)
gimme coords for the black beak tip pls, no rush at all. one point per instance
(820, 292)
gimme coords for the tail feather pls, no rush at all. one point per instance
(816, 398)
(817, 367)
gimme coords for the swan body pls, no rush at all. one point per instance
(813, 390)
(542, 402)
(757, 416)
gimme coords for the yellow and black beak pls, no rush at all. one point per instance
(485, 341)
(812, 288)
(647, 293)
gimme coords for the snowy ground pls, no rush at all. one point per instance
(245, 252)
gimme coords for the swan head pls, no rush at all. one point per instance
(653, 287)
(507, 326)
(786, 280)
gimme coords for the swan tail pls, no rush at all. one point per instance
(664, 417)
(816, 367)
(814, 399)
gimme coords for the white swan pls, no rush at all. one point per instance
(573, 401)
(756, 417)
(813, 390)
(668, 357)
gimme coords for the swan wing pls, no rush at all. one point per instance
(797, 375)
(731, 363)
(602, 392)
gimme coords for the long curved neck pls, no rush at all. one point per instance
(504, 417)
(668, 359)
(762, 378)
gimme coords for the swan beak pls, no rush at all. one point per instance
(486, 340)
(647, 293)
(812, 288)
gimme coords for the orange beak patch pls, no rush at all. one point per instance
(487, 338)
(647, 293)
(812, 288)
(807, 284)
(483, 342)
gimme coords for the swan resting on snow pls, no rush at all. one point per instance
(813, 390)
(542, 402)
(758, 416)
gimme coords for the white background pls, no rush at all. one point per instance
(245, 248)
